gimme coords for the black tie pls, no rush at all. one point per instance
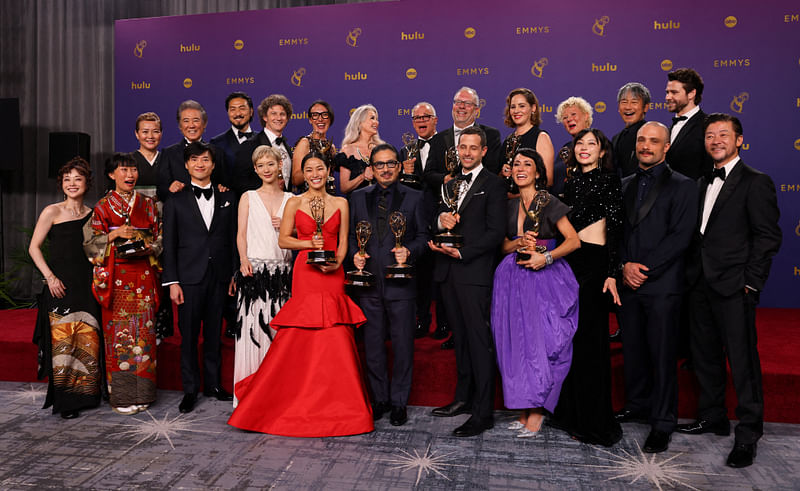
(646, 173)
(279, 141)
(422, 143)
(466, 178)
(207, 193)
(243, 134)
(718, 173)
(382, 207)
(675, 119)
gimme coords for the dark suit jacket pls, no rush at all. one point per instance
(173, 168)
(660, 233)
(624, 149)
(435, 169)
(364, 206)
(189, 247)
(228, 144)
(244, 176)
(741, 236)
(687, 154)
(483, 223)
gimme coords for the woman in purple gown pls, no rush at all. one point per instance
(535, 301)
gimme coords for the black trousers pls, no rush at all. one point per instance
(649, 345)
(201, 309)
(723, 326)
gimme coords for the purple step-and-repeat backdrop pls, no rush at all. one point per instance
(395, 54)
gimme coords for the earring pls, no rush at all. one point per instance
(280, 175)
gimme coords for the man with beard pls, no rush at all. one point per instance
(239, 107)
(687, 153)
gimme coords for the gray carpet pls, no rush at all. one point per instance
(162, 449)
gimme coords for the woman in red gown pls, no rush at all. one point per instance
(310, 382)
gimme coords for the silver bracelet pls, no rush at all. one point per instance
(548, 259)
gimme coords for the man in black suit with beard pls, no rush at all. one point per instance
(660, 209)
(199, 263)
(389, 304)
(239, 107)
(274, 112)
(172, 175)
(736, 237)
(633, 101)
(687, 154)
(465, 275)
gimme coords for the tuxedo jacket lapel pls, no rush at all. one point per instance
(370, 199)
(194, 207)
(687, 128)
(476, 186)
(630, 199)
(725, 193)
(650, 199)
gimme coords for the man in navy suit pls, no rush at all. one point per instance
(466, 276)
(239, 107)
(736, 237)
(660, 213)
(199, 263)
(389, 304)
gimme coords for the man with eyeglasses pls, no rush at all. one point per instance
(389, 304)
(423, 119)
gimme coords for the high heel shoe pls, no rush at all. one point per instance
(526, 433)
(515, 425)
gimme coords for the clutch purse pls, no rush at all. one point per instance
(134, 246)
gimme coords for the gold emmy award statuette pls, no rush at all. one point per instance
(512, 144)
(319, 257)
(360, 277)
(412, 150)
(397, 224)
(136, 245)
(540, 200)
(451, 190)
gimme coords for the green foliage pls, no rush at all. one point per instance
(20, 261)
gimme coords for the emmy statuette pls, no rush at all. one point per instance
(319, 257)
(540, 200)
(397, 224)
(359, 277)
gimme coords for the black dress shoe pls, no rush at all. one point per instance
(721, 427)
(422, 330)
(742, 455)
(473, 427)
(441, 332)
(627, 415)
(379, 409)
(70, 414)
(616, 336)
(449, 344)
(452, 409)
(657, 441)
(399, 416)
(219, 393)
(187, 403)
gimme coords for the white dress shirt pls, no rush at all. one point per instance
(712, 192)
(206, 205)
(241, 139)
(676, 128)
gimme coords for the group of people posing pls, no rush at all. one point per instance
(526, 249)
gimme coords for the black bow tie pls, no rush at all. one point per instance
(718, 173)
(242, 134)
(675, 119)
(646, 173)
(466, 178)
(279, 141)
(207, 193)
(422, 143)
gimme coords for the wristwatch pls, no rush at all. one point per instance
(548, 259)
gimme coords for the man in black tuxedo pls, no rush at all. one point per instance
(172, 175)
(274, 112)
(239, 107)
(199, 262)
(424, 119)
(687, 153)
(633, 101)
(736, 236)
(466, 277)
(660, 211)
(389, 304)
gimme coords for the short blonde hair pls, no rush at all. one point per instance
(266, 151)
(578, 102)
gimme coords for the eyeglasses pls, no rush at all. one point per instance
(323, 115)
(457, 102)
(389, 163)
(424, 117)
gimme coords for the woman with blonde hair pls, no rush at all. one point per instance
(575, 114)
(360, 136)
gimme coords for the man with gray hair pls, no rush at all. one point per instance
(633, 101)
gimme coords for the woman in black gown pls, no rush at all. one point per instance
(594, 193)
(67, 328)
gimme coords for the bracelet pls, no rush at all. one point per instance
(548, 259)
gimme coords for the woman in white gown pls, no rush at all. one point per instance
(263, 282)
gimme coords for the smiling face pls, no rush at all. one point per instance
(73, 184)
(239, 113)
(200, 168)
(722, 142)
(191, 124)
(149, 135)
(320, 119)
(385, 176)
(652, 143)
(677, 99)
(370, 124)
(267, 169)
(124, 178)
(574, 120)
(424, 121)
(465, 110)
(523, 171)
(631, 108)
(520, 110)
(275, 120)
(588, 152)
(315, 173)
(470, 151)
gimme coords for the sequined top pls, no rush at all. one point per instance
(595, 195)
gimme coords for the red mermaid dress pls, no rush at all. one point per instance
(310, 382)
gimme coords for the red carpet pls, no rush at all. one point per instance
(434, 369)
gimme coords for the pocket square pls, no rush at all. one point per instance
(225, 205)
(479, 193)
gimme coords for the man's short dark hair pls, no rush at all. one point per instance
(722, 117)
(198, 148)
(380, 148)
(238, 95)
(475, 130)
(690, 79)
